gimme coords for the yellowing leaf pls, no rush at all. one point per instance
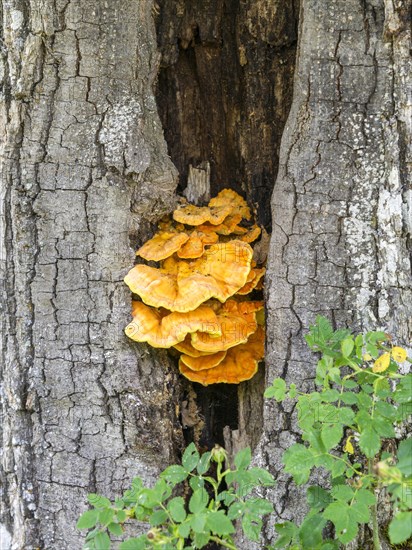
(382, 362)
(367, 357)
(348, 448)
(399, 354)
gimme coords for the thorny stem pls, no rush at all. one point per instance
(374, 514)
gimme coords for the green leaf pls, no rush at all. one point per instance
(331, 435)
(321, 370)
(343, 493)
(347, 346)
(400, 528)
(347, 532)
(201, 539)
(287, 532)
(219, 523)
(98, 501)
(90, 536)
(134, 544)
(369, 442)
(359, 340)
(259, 506)
(363, 419)
(276, 390)
(102, 541)
(403, 392)
(236, 510)
(345, 416)
(375, 336)
(196, 482)
(322, 331)
(372, 350)
(349, 398)
(251, 527)
(310, 532)
(382, 426)
(176, 507)
(364, 400)
(198, 501)
(243, 458)
(367, 388)
(262, 477)
(115, 529)
(338, 468)
(184, 529)
(121, 516)
(313, 436)
(330, 396)
(158, 517)
(174, 474)
(360, 512)
(365, 497)
(227, 497)
(349, 384)
(330, 545)
(317, 497)
(335, 511)
(382, 387)
(404, 412)
(198, 522)
(204, 463)
(161, 491)
(88, 519)
(339, 514)
(298, 461)
(190, 458)
(404, 457)
(106, 515)
(386, 409)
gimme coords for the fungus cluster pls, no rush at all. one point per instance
(197, 300)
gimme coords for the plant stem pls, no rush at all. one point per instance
(374, 514)
(223, 543)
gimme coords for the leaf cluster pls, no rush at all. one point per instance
(209, 514)
(360, 397)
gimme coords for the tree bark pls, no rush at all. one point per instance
(86, 172)
(85, 169)
(341, 205)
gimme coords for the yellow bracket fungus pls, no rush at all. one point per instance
(197, 299)
(181, 285)
(163, 329)
(239, 364)
(205, 362)
(235, 324)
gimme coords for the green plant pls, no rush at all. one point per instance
(208, 515)
(361, 398)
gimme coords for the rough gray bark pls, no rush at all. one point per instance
(83, 157)
(342, 202)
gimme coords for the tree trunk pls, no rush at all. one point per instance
(85, 169)
(86, 173)
(341, 204)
